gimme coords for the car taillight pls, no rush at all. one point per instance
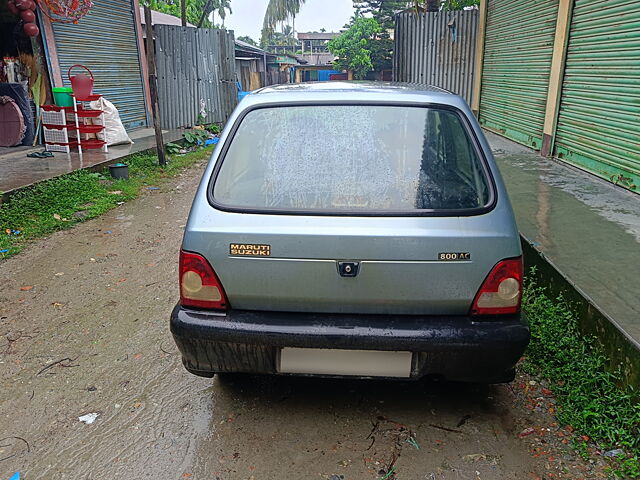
(501, 292)
(199, 285)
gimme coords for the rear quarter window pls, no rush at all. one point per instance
(352, 159)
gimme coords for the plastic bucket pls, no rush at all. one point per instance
(119, 170)
(82, 84)
(62, 97)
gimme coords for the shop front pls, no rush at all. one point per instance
(38, 47)
(24, 79)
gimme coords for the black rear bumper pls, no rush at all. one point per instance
(457, 347)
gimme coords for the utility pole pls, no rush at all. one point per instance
(153, 86)
(183, 12)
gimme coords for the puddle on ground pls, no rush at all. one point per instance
(611, 203)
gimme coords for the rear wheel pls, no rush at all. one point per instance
(201, 373)
(223, 377)
(229, 377)
(505, 377)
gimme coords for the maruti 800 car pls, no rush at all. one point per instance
(352, 229)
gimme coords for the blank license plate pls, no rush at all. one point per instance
(365, 363)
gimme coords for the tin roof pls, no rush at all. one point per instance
(159, 18)
(317, 35)
(247, 47)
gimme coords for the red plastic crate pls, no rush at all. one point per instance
(55, 135)
(90, 98)
(91, 128)
(53, 117)
(60, 147)
(89, 113)
(92, 143)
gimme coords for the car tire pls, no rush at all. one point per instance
(200, 373)
(506, 377)
(227, 378)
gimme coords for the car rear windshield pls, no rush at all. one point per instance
(353, 158)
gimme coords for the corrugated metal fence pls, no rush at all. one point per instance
(196, 75)
(436, 48)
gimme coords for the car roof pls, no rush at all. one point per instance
(364, 91)
(352, 86)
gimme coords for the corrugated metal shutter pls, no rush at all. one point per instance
(517, 63)
(105, 40)
(599, 121)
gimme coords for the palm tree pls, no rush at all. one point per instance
(222, 6)
(287, 31)
(280, 11)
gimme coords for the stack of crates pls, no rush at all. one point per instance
(57, 130)
(64, 127)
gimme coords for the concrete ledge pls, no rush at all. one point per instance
(621, 348)
(20, 172)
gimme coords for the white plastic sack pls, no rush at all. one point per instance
(114, 132)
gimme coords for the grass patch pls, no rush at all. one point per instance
(61, 202)
(587, 389)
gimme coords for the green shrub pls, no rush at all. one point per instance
(61, 202)
(586, 386)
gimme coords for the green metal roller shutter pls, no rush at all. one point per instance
(599, 120)
(106, 41)
(517, 63)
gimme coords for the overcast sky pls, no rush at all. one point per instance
(247, 16)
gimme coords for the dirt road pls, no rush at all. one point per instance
(84, 329)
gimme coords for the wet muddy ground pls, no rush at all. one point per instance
(84, 329)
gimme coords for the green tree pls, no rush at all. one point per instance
(195, 8)
(431, 5)
(279, 11)
(354, 47)
(381, 51)
(285, 37)
(382, 10)
(220, 7)
(458, 4)
(435, 5)
(287, 31)
(248, 39)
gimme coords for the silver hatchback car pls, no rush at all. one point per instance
(352, 229)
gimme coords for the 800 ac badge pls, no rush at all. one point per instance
(459, 256)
